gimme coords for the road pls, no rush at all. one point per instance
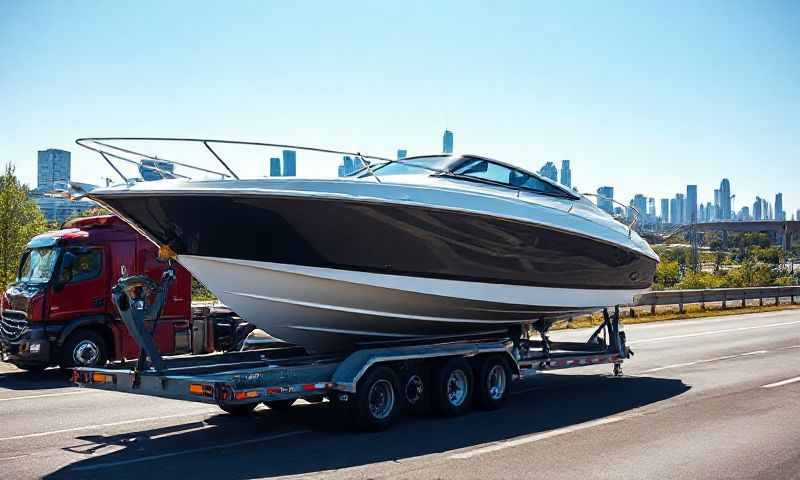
(711, 398)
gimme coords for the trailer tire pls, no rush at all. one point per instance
(280, 405)
(451, 387)
(377, 400)
(493, 384)
(415, 390)
(239, 410)
(84, 348)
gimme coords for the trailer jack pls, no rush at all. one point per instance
(130, 295)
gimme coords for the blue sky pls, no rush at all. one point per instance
(644, 96)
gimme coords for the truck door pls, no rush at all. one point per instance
(81, 286)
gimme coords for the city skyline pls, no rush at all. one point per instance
(556, 86)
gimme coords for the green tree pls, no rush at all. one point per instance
(20, 219)
(668, 273)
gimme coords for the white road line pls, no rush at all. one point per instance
(713, 332)
(526, 439)
(781, 383)
(104, 425)
(190, 451)
(28, 397)
(708, 360)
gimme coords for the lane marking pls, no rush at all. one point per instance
(781, 383)
(190, 451)
(103, 425)
(713, 332)
(524, 440)
(28, 397)
(698, 362)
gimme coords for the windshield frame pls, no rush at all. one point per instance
(57, 250)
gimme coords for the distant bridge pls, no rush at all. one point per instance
(783, 229)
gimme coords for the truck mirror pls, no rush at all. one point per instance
(65, 275)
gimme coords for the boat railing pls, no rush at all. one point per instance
(104, 147)
(628, 208)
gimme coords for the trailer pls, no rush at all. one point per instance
(374, 385)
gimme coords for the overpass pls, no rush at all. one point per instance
(783, 229)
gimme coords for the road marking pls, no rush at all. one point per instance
(781, 383)
(103, 425)
(190, 451)
(708, 360)
(713, 332)
(28, 397)
(524, 440)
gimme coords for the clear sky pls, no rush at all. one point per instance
(645, 96)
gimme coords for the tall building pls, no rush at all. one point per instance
(665, 210)
(274, 167)
(677, 210)
(651, 209)
(346, 168)
(447, 142)
(639, 202)
(757, 209)
(401, 154)
(725, 199)
(566, 174)
(550, 171)
(151, 170)
(690, 207)
(53, 166)
(289, 163)
(779, 213)
(701, 213)
(674, 218)
(605, 195)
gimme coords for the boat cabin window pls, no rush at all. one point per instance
(411, 166)
(481, 169)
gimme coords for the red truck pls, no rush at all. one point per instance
(59, 310)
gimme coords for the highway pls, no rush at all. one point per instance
(710, 398)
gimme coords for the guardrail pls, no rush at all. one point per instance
(724, 295)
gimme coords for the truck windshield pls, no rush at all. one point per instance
(38, 265)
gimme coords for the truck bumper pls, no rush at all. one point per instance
(32, 349)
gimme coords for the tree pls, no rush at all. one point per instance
(667, 274)
(20, 219)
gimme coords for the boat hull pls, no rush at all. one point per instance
(328, 310)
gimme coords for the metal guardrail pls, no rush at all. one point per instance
(724, 295)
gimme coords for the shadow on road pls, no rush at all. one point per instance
(547, 402)
(44, 380)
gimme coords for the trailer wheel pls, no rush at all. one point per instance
(239, 410)
(83, 348)
(493, 382)
(377, 400)
(452, 385)
(280, 405)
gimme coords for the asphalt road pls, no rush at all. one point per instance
(710, 398)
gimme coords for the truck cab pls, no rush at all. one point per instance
(59, 309)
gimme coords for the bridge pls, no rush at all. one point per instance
(783, 229)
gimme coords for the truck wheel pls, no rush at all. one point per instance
(84, 348)
(415, 388)
(280, 405)
(493, 382)
(377, 400)
(239, 410)
(451, 387)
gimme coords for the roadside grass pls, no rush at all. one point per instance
(670, 312)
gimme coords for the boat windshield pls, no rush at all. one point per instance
(411, 166)
(38, 265)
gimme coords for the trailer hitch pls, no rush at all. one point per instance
(139, 299)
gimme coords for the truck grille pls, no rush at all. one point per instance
(13, 324)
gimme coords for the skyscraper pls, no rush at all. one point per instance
(53, 166)
(779, 213)
(151, 170)
(757, 209)
(701, 213)
(447, 142)
(550, 171)
(289, 163)
(725, 199)
(651, 210)
(401, 154)
(679, 210)
(605, 195)
(274, 167)
(690, 208)
(674, 218)
(566, 174)
(639, 202)
(665, 210)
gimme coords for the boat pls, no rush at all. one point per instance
(437, 246)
